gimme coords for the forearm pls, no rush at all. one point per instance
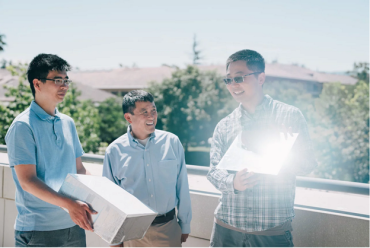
(39, 189)
(184, 202)
(83, 171)
(221, 179)
(184, 212)
(80, 168)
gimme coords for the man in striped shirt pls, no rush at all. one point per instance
(256, 209)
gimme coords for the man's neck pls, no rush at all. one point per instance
(252, 103)
(140, 137)
(46, 106)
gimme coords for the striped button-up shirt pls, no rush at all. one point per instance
(270, 203)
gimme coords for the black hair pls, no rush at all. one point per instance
(129, 100)
(42, 64)
(253, 59)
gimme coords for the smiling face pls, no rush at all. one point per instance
(49, 91)
(250, 88)
(143, 120)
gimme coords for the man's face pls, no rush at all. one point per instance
(144, 119)
(244, 91)
(52, 92)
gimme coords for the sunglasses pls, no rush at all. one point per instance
(238, 80)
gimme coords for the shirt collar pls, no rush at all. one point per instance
(41, 113)
(133, 141)
(261, 107)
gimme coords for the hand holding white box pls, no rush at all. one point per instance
(121, 216)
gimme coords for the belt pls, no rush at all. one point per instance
(164, 218)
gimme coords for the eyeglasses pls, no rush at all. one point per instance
(59, 81)
(238, 80)
(146, 113)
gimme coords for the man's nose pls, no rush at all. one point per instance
(64, 85)
(233, 84)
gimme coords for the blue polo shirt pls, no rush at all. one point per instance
(52, 144)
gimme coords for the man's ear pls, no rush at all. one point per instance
(36, 84)
(128, 117)
(261, 78)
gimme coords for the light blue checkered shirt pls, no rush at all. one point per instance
(270, 203)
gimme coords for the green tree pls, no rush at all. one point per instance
(2, 42)
(342, 135)
(113, 123)
(22, 97)
(84, 113)
(86, 117)
(196, 52)
(190, 104)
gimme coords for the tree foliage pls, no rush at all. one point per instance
(197, 57)
(2, 42)
(113, 123)
(342, 134)
(22, 95)
(86, 117)
(190, 104)
(90, 123)
(338, 121)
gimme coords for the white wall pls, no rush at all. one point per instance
(311, 228)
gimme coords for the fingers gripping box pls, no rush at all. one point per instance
(121, 216)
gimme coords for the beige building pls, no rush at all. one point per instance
(127, 79)
(100, 85)
(87, 92)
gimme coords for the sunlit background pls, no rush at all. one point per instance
(317, 55)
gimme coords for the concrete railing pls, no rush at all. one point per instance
(328, 212)
(304, 182)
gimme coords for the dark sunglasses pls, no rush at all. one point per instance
(240, 79)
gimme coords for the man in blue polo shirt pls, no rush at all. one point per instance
(43, 147)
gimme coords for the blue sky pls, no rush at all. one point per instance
(325, 35)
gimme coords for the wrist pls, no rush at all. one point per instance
(66, 202)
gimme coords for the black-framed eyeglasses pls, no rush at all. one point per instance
(59, 81)
(145, 113)
(240, 79)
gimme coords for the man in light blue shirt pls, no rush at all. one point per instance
(43, 147)
(150, 164)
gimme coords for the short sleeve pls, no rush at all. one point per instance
(21, 144)
(107, 169)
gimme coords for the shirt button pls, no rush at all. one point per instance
(151, 196)
(150, 180)
(147, 165)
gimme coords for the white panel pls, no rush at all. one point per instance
(9, 186)
(2, 214)
(1, 181)
(203, 207)
(9, 220)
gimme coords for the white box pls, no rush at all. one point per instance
(121, 216)
(237, 157)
